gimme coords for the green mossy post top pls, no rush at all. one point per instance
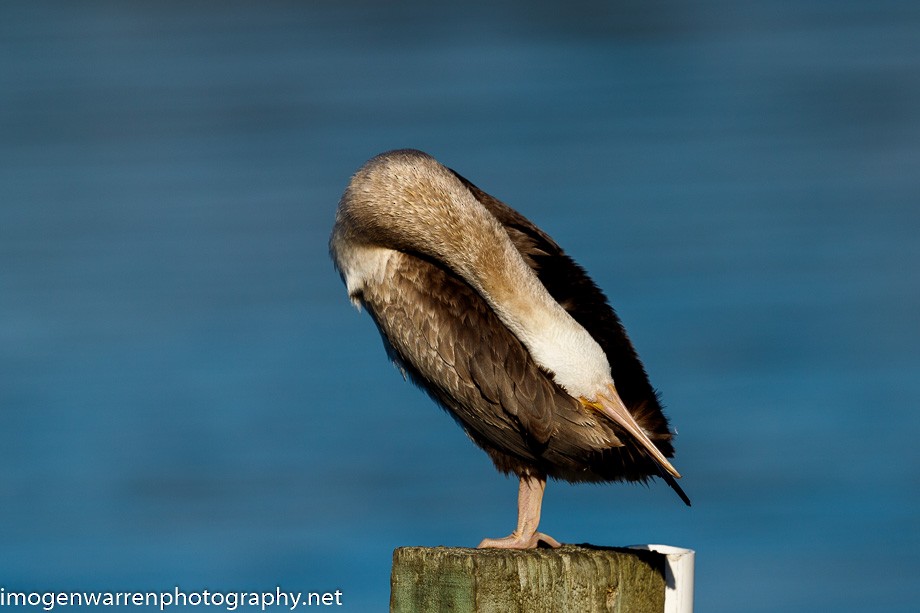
(580, 578)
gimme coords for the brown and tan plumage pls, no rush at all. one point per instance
(485, 312)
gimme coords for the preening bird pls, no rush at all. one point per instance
(486, 313)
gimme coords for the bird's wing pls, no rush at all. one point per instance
(448, 340)
(573, 289)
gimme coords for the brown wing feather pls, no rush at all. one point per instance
(571, 287)
(447, 339)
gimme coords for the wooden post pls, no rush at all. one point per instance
(582, 578)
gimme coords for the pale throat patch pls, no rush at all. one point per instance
(362, 266)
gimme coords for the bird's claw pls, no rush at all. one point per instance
(520, 541)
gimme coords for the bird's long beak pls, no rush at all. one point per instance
(609, 403)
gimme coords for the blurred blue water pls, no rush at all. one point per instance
(187, 398)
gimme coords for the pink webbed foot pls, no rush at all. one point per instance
(519, 541)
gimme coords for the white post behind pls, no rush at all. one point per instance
(678, 597)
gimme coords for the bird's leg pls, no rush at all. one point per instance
(530, 499)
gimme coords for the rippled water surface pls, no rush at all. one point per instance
(187, 398)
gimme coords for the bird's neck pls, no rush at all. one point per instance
(430, 212)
